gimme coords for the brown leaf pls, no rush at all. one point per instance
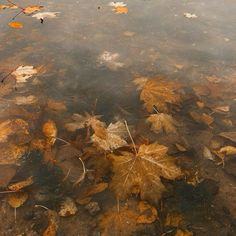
(158, 92)
(174, 219)
(229, 135)
(114, 137)
(25, 100)
(97, 188)
(32, 9)
(181, 232)
(50, 131)
(142, 173)
(68, 207)
(56, 105)
(119, 223)
(162, 123)
(148, 213)
(16, 200)
(51, 230)
(228, 150)
(22, 184)
(15, 24)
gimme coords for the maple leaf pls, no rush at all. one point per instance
(81, 122)
(162, 123)
(43, 15)
(141, 173)
(118, 223)
(23, 73)
(158, 92)
(114, 137)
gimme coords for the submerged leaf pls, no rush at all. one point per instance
(114, 137)
(16, 200)
(50, 131)
(148, 213)
(181, 232)
(158, 92)
(162, 123)
(142, 173)
(229, 135)
(118, 222)
(23, 73)
(68, 207)
(25, 100)
(22, 184)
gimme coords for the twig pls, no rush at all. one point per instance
(81, 178)
(64, 141)
(13, 18)
(10, 191)
(15, 4)
(134, 146)
(42, 207)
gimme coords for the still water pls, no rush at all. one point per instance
(86, 60)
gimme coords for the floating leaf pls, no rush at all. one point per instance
(22, 184)
(114, 137)
(148, 213)
(142, 173)
(68, 207)
(16, 200)
(120, 10)
(50, 131)
(190, 15)
(43, 15)
(8, 6)
(162, 123)
(32, 9)
(119, 223)
(158, 92)
(15, 24)
(117, 4)
(23, 73)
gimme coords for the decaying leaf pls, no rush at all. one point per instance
(162, 123)
(23, 73)
(22, 184)
(81, 122)
(52, 227)
(120, 10)
(113, 138)
(229, 135)
(97, 188)
(202, 118)
(25, 100)
(15, 24)
(43, 15)
(158, 92)
(118, 222)
(32, 9)
(16, 200)
(181, 148)
(142, 173)
(13, 127)
(181, 232)
(11, 153)
(50, 131)
(56, 105)
(148, 213)
(228, 150)
(190, 15)
(174, 219)
(68, 207)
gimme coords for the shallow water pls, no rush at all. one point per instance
(72, 54)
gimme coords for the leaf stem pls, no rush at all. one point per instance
(134, 146)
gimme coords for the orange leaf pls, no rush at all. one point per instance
(22, 184)
(16, 25)
(50, 131)
(148, 214)
(120, 10)
(31, 9)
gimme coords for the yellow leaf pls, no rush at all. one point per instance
(32, 9)
(142, 173)
(50, 131)
(15, 24)
(22, 184)
(148, 213)
(162, 123)
(16, 200)
(120, 10)
(118, 223)
(158, 92)
(228, 150)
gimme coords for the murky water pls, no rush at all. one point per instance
(87, 59)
